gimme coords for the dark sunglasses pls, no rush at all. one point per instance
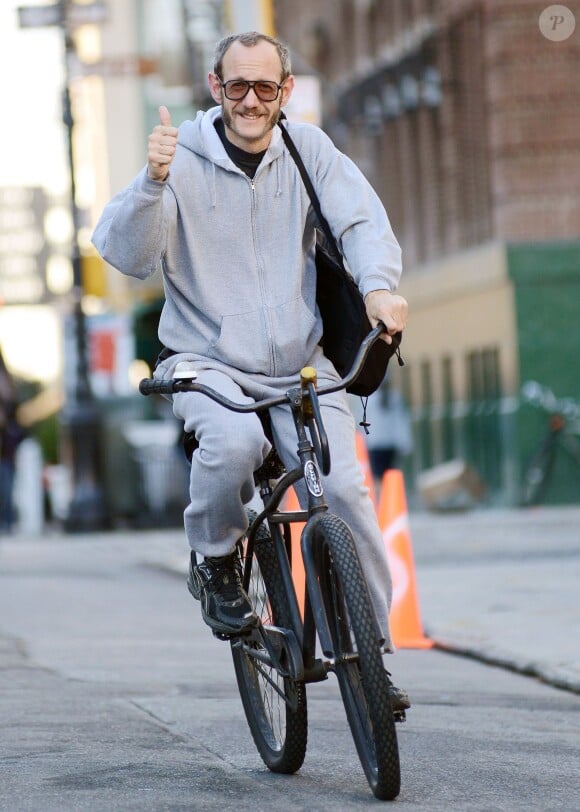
(237, 89)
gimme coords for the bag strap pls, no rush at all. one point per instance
(293, 150)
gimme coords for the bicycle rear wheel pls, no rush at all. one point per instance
(358, 662)
(275, 706)
(537, 472)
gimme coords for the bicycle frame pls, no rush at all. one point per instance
(296, 656)
(292, 652)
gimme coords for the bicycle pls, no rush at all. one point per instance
(563, 428)
(336, 631)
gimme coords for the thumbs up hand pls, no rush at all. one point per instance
(161, 147)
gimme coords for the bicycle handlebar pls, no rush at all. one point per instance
(150, 386)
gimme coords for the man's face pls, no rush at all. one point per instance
(249, 122)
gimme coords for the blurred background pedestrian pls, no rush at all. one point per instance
(11, 434)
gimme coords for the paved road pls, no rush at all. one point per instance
(115, 697)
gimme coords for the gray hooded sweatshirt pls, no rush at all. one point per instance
(237, 254)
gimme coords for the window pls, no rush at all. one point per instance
(425, 436)
(469, 162)
(447, 426)
(483, 423)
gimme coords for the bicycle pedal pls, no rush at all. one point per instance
(231, 635)
(223, 635)
(400, 716)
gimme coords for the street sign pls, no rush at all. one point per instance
(39, 16)
(71, 14)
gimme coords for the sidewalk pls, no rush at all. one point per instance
(504, 586)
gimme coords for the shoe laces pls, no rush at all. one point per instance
(226, 577)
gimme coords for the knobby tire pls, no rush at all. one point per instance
(279, 729)
(363, 681)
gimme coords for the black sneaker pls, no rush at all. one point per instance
(217, 583)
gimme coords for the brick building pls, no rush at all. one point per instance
(466, 119)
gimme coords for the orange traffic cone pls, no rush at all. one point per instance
(363, 457)
(298, 574)
(405, 622)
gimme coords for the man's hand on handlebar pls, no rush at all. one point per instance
(390, 308)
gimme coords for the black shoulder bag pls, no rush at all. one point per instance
(344, 317)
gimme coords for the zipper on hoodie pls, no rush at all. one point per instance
(265, 310)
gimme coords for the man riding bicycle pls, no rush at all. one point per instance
(221, 208)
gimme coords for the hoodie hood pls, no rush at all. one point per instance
(200, 136)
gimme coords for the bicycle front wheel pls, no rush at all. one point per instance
(275, 706)
(358, 662)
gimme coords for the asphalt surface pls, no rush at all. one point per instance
(114, 696)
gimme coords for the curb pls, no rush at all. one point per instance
(537, 671)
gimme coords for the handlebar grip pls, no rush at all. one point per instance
(149, 386)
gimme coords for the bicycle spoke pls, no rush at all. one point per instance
(275, 705)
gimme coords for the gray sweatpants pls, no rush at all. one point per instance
(232, 446)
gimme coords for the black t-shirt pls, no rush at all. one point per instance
(248, 162)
